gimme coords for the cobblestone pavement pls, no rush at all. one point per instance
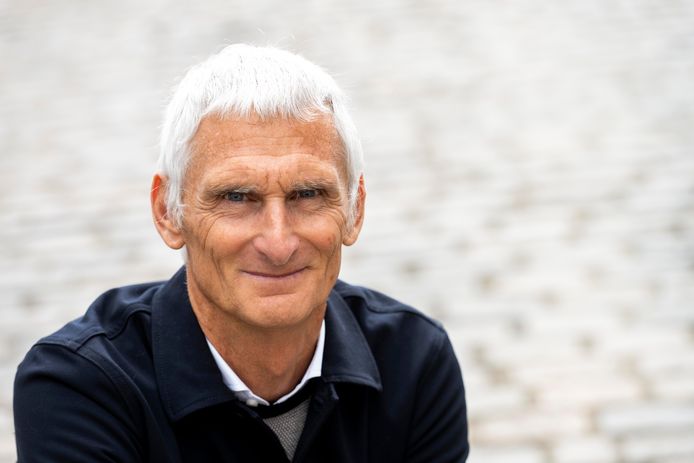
(531, 184)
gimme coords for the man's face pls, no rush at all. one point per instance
(265, 217)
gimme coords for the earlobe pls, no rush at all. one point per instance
(353, 233)
(166, 226)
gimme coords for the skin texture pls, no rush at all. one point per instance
(265, 219)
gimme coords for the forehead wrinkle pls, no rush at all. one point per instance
(236, 175)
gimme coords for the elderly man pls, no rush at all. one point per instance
(253, 351)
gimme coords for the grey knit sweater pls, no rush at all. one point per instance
(288, 426)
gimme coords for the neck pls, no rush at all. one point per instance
(270, 361)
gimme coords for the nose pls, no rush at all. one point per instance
(276, 239)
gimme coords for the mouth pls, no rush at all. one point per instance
(274, 276)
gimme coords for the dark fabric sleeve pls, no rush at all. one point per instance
(66, 409)
(439, 429)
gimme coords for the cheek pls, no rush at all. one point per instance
(331, 245)
(206, 233)
(326, 234)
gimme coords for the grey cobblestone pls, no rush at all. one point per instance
(531, 184)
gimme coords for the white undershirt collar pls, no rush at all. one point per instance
(244, 393)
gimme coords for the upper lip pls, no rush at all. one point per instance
(275, 274)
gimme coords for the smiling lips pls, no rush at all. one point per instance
(275, 276)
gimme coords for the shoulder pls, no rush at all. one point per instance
(102, 343)
(395, 331)
(375, 309)
(107, 317)
(420, 375)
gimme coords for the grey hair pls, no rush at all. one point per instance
(243, 80)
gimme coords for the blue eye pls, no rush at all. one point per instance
(235, 196)
(308, 193)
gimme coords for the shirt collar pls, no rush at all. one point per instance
(348, 357)
(188, 376)
(244, 393)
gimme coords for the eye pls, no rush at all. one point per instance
(235, 196)
(307, 193)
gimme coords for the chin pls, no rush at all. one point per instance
(281, 311)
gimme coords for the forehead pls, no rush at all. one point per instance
(222, 137)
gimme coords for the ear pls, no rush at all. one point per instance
(353, 233)
(166, 226)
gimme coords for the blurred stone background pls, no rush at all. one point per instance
(531, 184)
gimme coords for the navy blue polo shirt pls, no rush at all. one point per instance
(134, 381)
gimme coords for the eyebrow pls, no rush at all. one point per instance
(310, 184)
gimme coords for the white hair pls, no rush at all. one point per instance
(244, 80)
